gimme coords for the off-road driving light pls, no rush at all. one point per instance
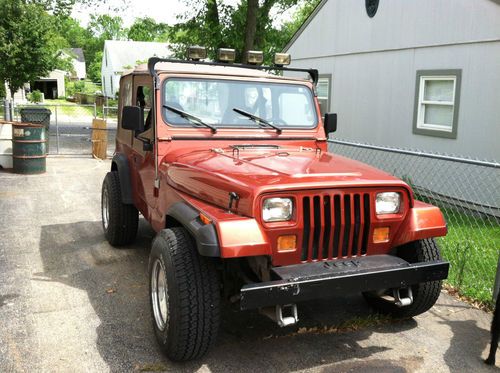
(388, 203)
(277, 209)
(282, 59)
(226, 55)
(254, 57)
(196, 53)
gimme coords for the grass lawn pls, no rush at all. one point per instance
(472, 246)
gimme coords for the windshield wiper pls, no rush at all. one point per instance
(258, 120)
(190, 117)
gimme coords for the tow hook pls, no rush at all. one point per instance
(402, 301)
(276, 314)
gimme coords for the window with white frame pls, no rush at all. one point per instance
(323, 90)
(436, 103)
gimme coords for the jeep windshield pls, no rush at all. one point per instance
(285, 106)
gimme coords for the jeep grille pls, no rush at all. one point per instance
(335, 225)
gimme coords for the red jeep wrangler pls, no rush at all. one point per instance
(229, 164)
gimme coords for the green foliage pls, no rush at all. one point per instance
(25, 49)
(105, 27)
(94, 67)
(3, 94)
(81, 86)
(36, 96)
(146, 29)
(474, 258)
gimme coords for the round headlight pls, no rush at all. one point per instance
(388, 203)
(277, 209)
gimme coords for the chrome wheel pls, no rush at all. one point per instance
(105, 208)
(159, 296)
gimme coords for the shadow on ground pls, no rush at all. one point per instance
(115, 281)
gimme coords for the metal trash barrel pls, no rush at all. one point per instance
(38, 115)
(28, 148)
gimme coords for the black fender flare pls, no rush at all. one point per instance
(120, 164)
(205, 235)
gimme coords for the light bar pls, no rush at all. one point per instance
(254, 57)
(226, 55)
(196, 53)
(282, 59)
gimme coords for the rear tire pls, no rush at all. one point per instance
(425, 294)
(119, 220)
(184, 296)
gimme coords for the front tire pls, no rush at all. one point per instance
(184, 296)
(425, 294)
(119, 220)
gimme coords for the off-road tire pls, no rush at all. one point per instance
(123, 219)
(193, 294)
(425, 294)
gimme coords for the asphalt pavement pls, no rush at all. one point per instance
(69, 302)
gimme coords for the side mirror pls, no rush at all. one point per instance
(132, 118)
(330, 123)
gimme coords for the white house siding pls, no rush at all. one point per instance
(374, 61)
(120, 55)
(79, 69)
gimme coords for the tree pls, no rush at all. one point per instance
(245, 26)
(100, 29)
(107, 27)
(146, 29)
(25, 49)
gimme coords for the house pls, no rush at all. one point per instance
(52, 86)
(119, 55)
(420, 74)
(78, 61)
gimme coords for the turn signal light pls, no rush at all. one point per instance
(381, 235)
(205, 219)
(287, 243)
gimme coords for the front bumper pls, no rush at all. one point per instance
(308, 281)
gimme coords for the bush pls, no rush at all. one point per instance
(36, 96)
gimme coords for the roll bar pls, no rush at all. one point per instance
(313, 73)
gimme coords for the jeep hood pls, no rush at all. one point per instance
(212, 174)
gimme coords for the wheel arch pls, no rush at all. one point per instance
(204, 235)
(120, 164)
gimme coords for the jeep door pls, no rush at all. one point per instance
(142, 160)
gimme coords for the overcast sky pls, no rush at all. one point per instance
(161, 10)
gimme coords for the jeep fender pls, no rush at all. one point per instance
(120, 164)
(423, 221)
(204, 234)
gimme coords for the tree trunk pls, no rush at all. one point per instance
(213, 22)
(262, 21)
(251, 25)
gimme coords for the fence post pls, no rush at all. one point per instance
(6, 111)
(496, 289)
(95, 110)
(57, 131)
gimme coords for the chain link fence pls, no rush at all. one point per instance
(468, 193)
(70, 130)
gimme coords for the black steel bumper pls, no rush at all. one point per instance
(324, 279)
